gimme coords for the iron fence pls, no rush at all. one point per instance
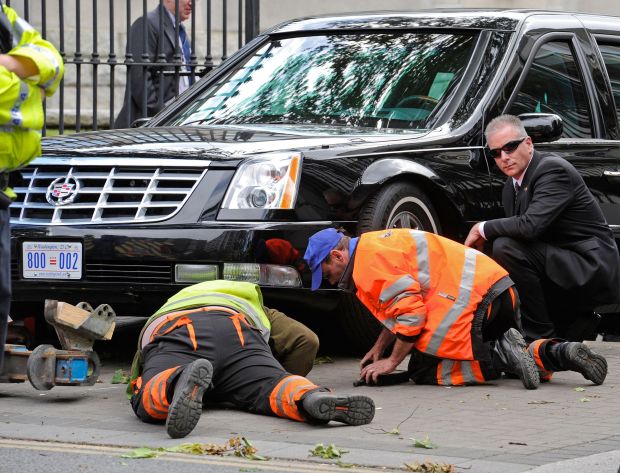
(92, 36)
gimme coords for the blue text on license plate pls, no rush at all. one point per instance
(51, 260)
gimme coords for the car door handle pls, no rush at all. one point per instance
(612, 173)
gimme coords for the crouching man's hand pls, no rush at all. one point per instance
(370, 373)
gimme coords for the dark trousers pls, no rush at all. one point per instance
(5, 278)
(245, 373)
(503, 314)
(547, 310)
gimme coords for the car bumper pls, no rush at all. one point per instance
(133, 268)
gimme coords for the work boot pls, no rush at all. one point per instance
(186, 405)
(514, 358)
(326, 406)
(576, 356)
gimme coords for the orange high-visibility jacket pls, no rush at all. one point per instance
(427, 288)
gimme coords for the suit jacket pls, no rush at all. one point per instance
(554, 206)
(134, 95)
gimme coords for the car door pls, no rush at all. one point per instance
(558, 80)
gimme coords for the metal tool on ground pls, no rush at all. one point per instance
(76, 364)
(396, 377)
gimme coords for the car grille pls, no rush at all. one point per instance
(102, 191)
(138, 273)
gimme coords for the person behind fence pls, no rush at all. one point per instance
(30, 69)
(153, 85)
(554, 240)
(211, 339)
(453, 308)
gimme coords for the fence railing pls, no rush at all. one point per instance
(92, 36)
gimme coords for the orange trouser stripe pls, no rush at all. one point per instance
(236, 320)
(154, 399)
(183, 321)
(456, 377)
(174, 315)
(534, 349)
(459, 373)
(512, 296)
(283, 398)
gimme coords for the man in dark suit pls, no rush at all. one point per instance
(148, 83)
(554, 241)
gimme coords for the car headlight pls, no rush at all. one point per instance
(268, 182)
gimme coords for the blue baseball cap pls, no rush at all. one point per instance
(319, 246)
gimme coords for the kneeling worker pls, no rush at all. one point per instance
(212, 339)
(452, 308)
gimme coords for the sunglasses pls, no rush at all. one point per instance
(508, 148)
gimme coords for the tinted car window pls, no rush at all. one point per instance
(553, 85)
(369, 80)
(611, 56)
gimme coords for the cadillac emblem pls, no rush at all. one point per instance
(62, 191)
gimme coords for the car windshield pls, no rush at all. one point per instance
(378, 80)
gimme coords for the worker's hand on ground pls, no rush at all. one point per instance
(372, 356)
(370, 373)
(474, 238)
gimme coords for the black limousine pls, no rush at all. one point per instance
(364, 121)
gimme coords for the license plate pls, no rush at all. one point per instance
(51, 260)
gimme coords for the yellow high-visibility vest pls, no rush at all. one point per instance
(21, 106)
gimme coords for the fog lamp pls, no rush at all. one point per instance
(195, 273)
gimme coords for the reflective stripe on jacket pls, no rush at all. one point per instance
(21, 106)
(242, 297)
(426, 288)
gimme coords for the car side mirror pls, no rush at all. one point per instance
(477, 159)
(542, 127)
(140, 122)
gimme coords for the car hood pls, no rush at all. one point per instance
(219, 142)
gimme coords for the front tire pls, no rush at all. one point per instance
(399, 205)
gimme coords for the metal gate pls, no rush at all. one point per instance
(92, 35)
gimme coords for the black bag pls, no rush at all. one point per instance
(6, 35)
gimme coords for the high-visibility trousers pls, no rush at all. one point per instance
(502, 314)
(245, 373)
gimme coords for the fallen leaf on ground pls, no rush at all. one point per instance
(430, 467)
(580, 389)
(541, 402)
(119, 377)
(321, 360)
(426, 443)
(584, 399)
(143, 452)
(331, 451)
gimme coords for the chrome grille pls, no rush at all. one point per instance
(144, 273)
(127, 272)
(109, 190)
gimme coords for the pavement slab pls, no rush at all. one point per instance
(499, 427)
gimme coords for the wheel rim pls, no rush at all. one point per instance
(405, 220)
(411, 212)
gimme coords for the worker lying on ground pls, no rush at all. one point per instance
(211, 339)
(452, 308)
